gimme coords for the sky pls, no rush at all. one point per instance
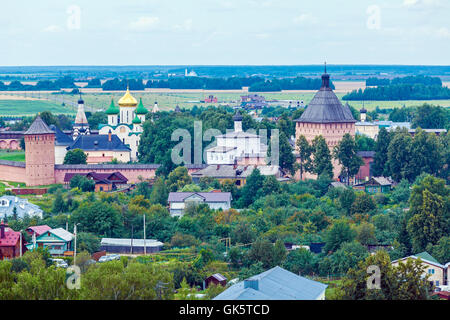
(224, 32)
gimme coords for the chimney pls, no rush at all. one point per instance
(251, 283)
(109, 135)
(2, 230)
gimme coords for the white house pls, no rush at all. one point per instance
(179, 201)
(10, 205)
(237, 146)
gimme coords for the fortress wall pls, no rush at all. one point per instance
(15, 173)
(131, 174)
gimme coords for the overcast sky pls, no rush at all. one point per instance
(193, 32)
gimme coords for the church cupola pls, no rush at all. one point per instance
(237, 118)
(113, 114)
(127, 106)
(81, 125)
(363, 113)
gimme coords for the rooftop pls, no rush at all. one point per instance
(127, 242)
(274, 284)
(325, 107)
(38, 127)
(98, 142)
(207, 196)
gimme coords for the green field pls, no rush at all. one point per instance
(13, 156)
(169, 100)
(31, 107)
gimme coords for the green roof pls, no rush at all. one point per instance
(112, 108)
(140, 108)
(426, 256)
(136, 120)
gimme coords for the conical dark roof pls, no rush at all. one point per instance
(38, 127)
(237, 116)
(325, 107)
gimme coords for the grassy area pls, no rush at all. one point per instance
(13, 156)
(31, 107)
(169, 100)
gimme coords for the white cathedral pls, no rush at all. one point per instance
(126, 122)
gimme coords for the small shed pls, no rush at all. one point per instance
(130, 246)
(375, 185)
(216, 279)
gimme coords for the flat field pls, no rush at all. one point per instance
(16, 107)
(13, 156)
(20, 103)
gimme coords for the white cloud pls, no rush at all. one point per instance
(305, 18)
(53, 28)
(144, 23)
(186, 26)
(443, 33)
(421, 3)
(262, 35)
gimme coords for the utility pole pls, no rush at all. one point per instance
(131, 248)
(75, 246)
(21, 243)
(145, 248)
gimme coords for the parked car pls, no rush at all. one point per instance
(60, 263)
(109, 257)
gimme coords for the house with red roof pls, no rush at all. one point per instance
(38, 230)
(103, 181)
(9, 242)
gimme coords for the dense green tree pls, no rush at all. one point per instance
(345, 153)
(364, 143)
(363, 203)
(429, 224)
(301, 262)
(58, 204)
(254, 183)
(346, 199)
(431, 117)
(97, 217)
(304, 150)
(338, 233)
(75, 156)
(399, 156)
(366, 233)
(83, 183)
(321, 164)
(178, 178)
(405, 282)
(441, 251)
(159, 192)
(380, 167)
(87, 242)
(426, 154)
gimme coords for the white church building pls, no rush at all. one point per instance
(237, 147)
(126, 122)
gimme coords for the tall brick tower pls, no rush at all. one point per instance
(39, 154)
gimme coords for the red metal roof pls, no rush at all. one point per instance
(39, 229)
(10, 240)
(97, 177)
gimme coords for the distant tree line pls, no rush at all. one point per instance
(425, 116)
(298, 83)
(400, 92)
(255, 84)
(428, 81)
(64, 82)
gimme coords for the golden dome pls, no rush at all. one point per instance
(127, 100)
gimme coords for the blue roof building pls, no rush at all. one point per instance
(275, 284)
(10, 205)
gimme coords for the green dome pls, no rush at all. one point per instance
(140, 108)
(136, 120)
(112, 108)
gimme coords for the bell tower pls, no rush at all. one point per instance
(39, 154)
